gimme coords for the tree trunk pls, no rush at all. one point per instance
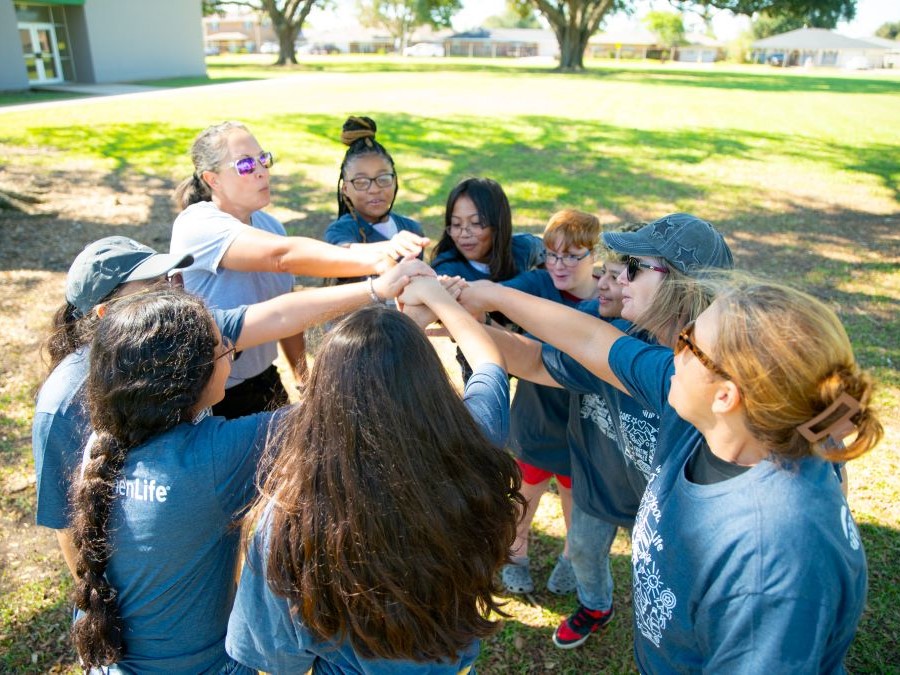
(572, 43)
(286, 52)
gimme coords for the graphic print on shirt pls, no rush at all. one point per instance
(640, 439)
(594, 408)
(653, 600)
(638, 434)
(849, 526)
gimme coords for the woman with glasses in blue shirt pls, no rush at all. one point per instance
(367, 188)
(478, 241)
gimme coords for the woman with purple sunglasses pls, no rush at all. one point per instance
(244, 256)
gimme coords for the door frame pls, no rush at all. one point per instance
(33, 27)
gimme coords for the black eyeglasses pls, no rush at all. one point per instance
(635, 265)
(363, 183)
(229, 350)
(457, 228)
(568, 259)
(247, 165)
(685, 341)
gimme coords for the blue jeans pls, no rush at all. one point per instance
(590, 540)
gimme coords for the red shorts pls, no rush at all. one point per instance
(533, 475)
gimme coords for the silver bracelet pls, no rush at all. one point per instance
(372, 293)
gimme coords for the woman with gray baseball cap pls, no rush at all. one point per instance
(114, 267)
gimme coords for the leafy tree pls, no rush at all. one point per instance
(668, 28)
(512, 19)
(401, 17)
(765, 25)
(573, 22)
(817, 13)
(888, 30)
(287, 19)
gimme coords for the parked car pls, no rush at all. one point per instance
(858, 63)
(268, 48)
(319, 48)
(776, 60)
(424, 49)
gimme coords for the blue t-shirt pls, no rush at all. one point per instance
(206, 232)
(540, 414)
(763, 572)
(350, 230)
(175, 539)
(265, 635)
(62, 424)
(612, 440)
(527, 253)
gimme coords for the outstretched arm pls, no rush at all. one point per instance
(254, 250)
(586, 339)
(470, 335)
(401, 245)
(293, 313)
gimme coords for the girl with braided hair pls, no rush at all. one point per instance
(162, 488)
(366, 190)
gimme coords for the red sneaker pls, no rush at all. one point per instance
(574, 630)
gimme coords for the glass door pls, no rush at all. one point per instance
(41, 53)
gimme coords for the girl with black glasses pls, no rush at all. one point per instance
(367, 188)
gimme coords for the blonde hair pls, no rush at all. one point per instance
(678, 300)
(606, 254)
(571, 227)
(208, 152)
(792, 359)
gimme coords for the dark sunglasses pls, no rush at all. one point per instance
(635, 265)
(685, 341)
(247, 165)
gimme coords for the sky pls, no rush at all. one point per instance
(870, 14)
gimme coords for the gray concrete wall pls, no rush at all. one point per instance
(140, 40)
(80, 44)
(13, 75)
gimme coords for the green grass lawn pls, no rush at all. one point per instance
(800, 170)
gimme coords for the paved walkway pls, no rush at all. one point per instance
(97, 89)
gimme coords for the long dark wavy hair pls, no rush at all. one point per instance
(390, 510)
(151, 356)
(493, 208)
(358, 133)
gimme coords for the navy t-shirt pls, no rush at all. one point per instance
(539, 413)
(264, 634)
(612, 439)
(763, 572)
(61, 425)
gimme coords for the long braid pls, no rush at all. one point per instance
(151, 356)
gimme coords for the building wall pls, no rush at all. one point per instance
(12, 66)
(139, 40)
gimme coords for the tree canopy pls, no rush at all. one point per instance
(668, 28)
(889, 30)
(401, 17)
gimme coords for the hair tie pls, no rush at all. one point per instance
(825, 424)
(350, 137)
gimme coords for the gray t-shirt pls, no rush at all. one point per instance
(206, 232)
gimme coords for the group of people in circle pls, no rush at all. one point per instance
(375, 526)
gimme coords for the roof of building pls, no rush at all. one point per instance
(813, 38)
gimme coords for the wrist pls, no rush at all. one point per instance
(373, 294)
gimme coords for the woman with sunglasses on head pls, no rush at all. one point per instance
(114, 267)
(540, 414)
(745, 556)
(612, 437)
(162, 488)
(242, 255)
(478, 241)
(367, 188)
(388, 509)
